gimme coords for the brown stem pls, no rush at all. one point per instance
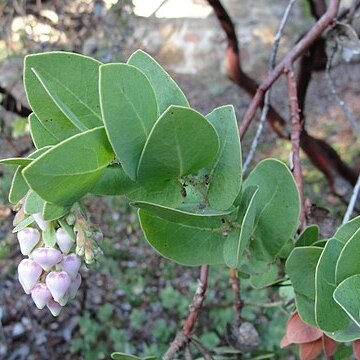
(320, 153)
(296, 129)
(183, 337)
(237, 305)
(290, 58)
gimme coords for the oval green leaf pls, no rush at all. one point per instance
(301, 266)
(329, 316)
(19, 186)
(40, 134)
(225, 175)
(238, 240)
(166, 90)
(16, 161)
(277, 208)
(70, 169)
(309, 236)
(348, 263)
(187, 238)
(129, 110)
(62, 89)
(52, 212)
(181, 142)
(347, 295)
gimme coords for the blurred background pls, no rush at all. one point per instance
(133, 300)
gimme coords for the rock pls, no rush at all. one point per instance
(18, 330)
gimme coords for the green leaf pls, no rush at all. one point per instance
(348, 263)
(129, 110)
(350, 333)
(346, 231)
(16, 161)
(114, 181)
(309, 236)
(166, 90)
(33, 203)
(205, 216)
(19, 186)
(271, 276)
(40, 134)
(347, 295)
(69, 229)
(62, 89)
(277, 208)
(166, 193)
(52, 212)
(70, 169)
(224, 173)
(123, 356)
(181, 142)
(49, 236)
(23, 224)
(328, 314)
(187, 238)
(301, 266)
(237, 241)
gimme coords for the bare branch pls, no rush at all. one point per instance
(290, 58)
(352, 202)
(235, 284)
(296, 129)
(265, 109)
(183, 337)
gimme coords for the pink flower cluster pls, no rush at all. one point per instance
(50, 275)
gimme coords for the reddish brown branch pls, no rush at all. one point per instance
(183, 337)
(237, 305)
(319, 152)
(291, 56)
(296, 129)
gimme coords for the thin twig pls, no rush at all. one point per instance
(290, 58)
(183, 337)
(296, 128)
(354, 6)
(266, 106)
(342, 103)
(238, 303)
(203, 350)
(265, 305)
(352, 202)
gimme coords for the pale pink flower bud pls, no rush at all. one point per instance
(47, 257)
(29, 273)
(28, 238)
(74, 286)
(58, 283)
(63, 301)
(64, 241)
(71, 264)
(40, 221)
(89, 256)
(54, 307)
(41, 295)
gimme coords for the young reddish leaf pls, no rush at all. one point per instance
(284, 342)
(298, 332)
(329, 346)
(310, 350)
(356, 349)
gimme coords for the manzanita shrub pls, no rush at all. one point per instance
(127, 129)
